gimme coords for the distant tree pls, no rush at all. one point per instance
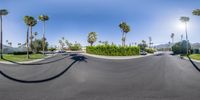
(181, 47)
(92, 37)
(43, 18)
(3, 12)
(62, 43)
(143, 45)
(172, 37)
(125, 29)
(150, 42)
(196, 12)
(39, 46)
(185, 19)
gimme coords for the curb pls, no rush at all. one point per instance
(27, 62)
(115, 57)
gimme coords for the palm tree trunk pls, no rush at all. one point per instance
(1, 38)
(125, 39)
(43, 47)
(122, 38)
(186, 37)
(27, 42)
(31, 38)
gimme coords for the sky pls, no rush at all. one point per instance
(74, 19)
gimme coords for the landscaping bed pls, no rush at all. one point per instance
(113, 50)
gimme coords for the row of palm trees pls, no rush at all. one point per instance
(185, 20)
(30, 22)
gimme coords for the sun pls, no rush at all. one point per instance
(180, 26)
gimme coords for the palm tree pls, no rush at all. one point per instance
(150, 40)
(43, 18)
(92, 37)
(27, 21)
(196, 12)
(33, 22)
(3, 12)
(125, 29)
(185, 19)
(172, 37)
(10, 43)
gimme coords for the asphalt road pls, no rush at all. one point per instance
(77, 77)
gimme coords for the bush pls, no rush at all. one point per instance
(150, 50)
(181, 47)
(113, 50)
(75, 47)
(21, 53)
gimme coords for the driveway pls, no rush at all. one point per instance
(77, 77)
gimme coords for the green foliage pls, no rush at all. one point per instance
(43, 17)
(75, 47)
(142, 45)
(37, 45)
(113, 50)
(196, 12)
(150, 50)
(92, 37)
(51, 49)
(181, 47)
(3, 12)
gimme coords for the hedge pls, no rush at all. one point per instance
(21, 53)
(149, 50)
(113, 50)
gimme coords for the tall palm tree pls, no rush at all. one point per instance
(43, 18)
(150, 42)
(172, 37)
(33, 22)
(92, 37)
(3, 12)
(185, 19)
(27, 21)
(196, 12)
(125, 29)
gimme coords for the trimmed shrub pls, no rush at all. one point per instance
(21, 53)
(150, 50)
(113, 50)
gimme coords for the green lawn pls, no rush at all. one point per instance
(195, 56)
(20, 58)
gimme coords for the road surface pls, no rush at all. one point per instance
(76, 77)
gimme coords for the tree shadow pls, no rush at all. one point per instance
(193, 63)
(74, 58)
(37, 63)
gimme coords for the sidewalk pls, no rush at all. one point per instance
(115, 57)
(28, 62)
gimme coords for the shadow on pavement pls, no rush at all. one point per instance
(36, 63)
(194, 64)
(75, 59)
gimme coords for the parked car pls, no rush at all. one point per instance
(143, 53)
(60, 51)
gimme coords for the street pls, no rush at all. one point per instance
(77, 77)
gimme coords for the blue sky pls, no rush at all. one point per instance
(74, 19)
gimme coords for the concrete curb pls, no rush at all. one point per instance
(115, 57)
(28, 62)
